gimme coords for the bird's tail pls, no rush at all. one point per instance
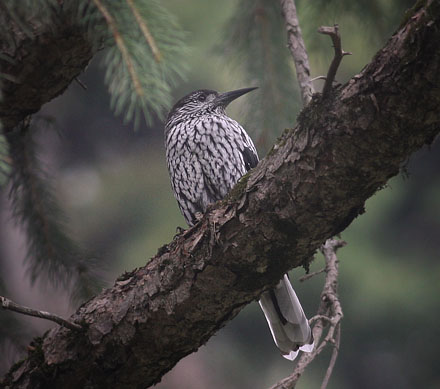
(287, 322)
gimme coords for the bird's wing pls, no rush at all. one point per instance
(227, 155)
(250, 158)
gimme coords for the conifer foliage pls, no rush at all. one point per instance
(143, 57)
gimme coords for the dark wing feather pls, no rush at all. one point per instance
(250, 158)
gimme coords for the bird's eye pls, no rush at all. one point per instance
(202, 98)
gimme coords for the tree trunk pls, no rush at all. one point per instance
(311, 186)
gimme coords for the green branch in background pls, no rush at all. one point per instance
(52, 255)
(145, 30)
(145, 54)
(121, 46)
(5, 161)
(256, 45)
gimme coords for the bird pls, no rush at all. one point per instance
(207, 153)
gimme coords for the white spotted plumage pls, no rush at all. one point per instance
(205, 157)
(207, 153)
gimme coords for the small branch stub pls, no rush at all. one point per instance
(333, 32)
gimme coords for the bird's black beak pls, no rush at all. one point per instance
(224, 99)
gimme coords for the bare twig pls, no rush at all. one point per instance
(333, 358)
(145, 30)
(339, 53)
(297, 48)
(311, 275)
(81, 84)
(318, 78)
(121, 45)
(10, 305)
(329, 313)
(319, 317)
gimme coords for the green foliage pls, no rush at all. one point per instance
(143, 59)
(388, 270)
(5, 165)
(145, 50)
(51, 253)
(256, 44)
(144, 53)
(378, 18)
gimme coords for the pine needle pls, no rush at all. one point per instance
(147, 34)
(52, 255)
(121, 45)
(254, 42)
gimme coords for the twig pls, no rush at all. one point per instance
(333, 358)
(145, 30)
(81, 84)
(339, 53)
(318, 78)
(329, 313)
(297, 48)
(10, 305)
(308, 276)
(319, 317)
(121, 45)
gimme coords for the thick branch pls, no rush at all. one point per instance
(310, 187)
(35, 70)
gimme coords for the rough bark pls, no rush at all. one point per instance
(311, 186)
(37, 67)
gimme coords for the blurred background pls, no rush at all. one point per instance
(112, 183)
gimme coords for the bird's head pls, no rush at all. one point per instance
(203, 101)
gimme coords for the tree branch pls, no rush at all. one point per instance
(297, 48)
(311, 186)
(333, 358)
(40, 69)
(339, 53)
(329, 313)
(10, 305)
(311, 275)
